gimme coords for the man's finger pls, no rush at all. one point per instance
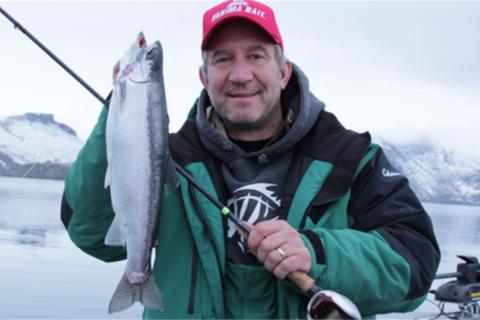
(262, 230)
(290, 264)
(272, 242)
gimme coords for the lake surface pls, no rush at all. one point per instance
(43, 275)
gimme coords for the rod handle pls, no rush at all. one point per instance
(302, 280)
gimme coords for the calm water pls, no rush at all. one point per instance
(43, 275)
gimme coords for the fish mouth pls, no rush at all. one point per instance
(153, 51)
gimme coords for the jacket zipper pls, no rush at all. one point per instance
(208, 230)
(196, 256)
(193, 283)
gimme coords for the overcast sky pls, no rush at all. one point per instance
(401, 70)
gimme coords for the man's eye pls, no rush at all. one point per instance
(256, 57)
(222, 60)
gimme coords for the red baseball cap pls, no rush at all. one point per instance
(253, 11)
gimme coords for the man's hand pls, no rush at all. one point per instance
(279, 247)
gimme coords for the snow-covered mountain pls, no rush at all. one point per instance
(35, 145)
(435, 173)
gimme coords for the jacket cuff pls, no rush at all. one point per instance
(315, 246)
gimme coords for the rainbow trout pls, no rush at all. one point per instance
(140, 169)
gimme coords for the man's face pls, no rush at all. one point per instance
(244, 79)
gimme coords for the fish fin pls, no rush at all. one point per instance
(126, 294)
(123, 297)
(108, 179)
(116, 235)
(150, 295)
(171, 181)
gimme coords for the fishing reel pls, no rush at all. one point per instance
(464, 291)
(327, 304)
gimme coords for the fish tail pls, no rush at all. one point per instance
(126, 294)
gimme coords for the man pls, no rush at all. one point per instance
(313, 192)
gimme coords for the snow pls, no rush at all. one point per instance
(435, 173)
(468, 189)
(29, 141)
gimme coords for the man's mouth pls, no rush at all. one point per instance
(242, 94)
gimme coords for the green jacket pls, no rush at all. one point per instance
(368, 235)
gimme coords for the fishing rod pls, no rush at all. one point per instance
(241, 225)
(323, 304)
(52, 55)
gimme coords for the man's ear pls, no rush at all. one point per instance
(203, 77)
(285, 74)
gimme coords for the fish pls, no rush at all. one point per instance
(140, 170)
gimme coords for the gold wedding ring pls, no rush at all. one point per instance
(281, 253)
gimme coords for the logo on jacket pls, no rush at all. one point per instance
(387, 173)
(253, 203)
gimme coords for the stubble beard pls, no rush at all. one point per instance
(246, 126)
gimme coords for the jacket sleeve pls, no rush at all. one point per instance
(86, 209)
(387, 260)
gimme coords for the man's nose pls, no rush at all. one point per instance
(241, 72)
